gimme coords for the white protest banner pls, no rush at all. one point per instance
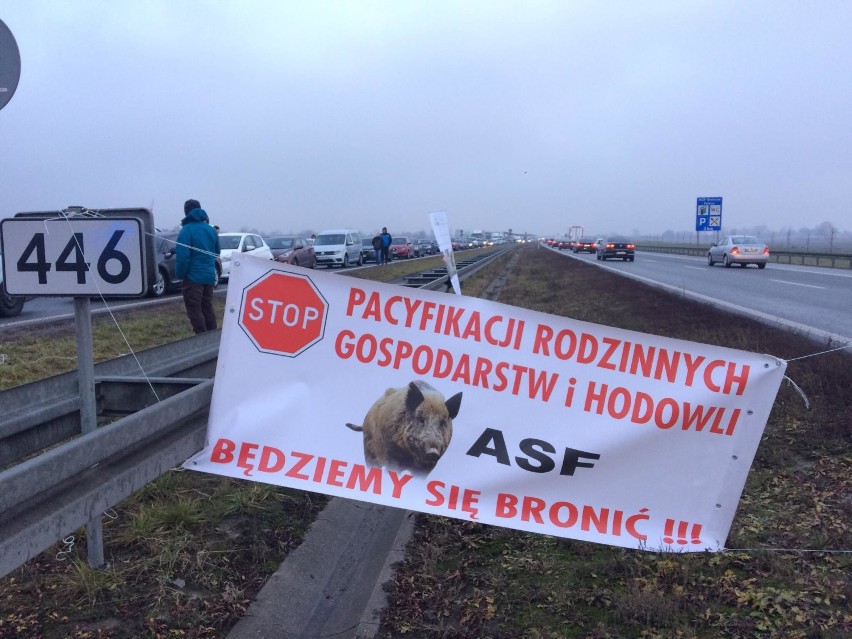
(519, 418)
(441, 228)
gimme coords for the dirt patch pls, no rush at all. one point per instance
(492, 291)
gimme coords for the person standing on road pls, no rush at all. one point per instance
(377, 247)
(386, 242)
(195, 265)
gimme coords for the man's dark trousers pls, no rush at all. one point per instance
(198, 300)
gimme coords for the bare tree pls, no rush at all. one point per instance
(829, 231)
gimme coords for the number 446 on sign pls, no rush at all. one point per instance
(73, 257)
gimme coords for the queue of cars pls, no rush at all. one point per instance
(730, 250)
(332, 248)
(345, 247)
(401, 248)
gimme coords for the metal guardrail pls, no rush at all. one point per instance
(802, 258)
(163, 418)
(46, 412)
(433, 279)
(50, 495)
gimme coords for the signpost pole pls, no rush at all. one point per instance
(88, 410)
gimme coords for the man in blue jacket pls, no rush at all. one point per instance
(386, 242)
(195, 265)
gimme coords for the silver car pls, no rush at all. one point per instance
(739, 249)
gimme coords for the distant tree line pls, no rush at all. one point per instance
(823, 237)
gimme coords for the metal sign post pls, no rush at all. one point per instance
(88, 410)
(81, 253)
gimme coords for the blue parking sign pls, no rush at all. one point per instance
(708, 214)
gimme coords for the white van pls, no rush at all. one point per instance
(338, 247)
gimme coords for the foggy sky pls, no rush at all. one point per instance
(531, 116)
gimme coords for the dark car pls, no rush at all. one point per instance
(585, 245)
(427, 247)
(164, 247)
(292, 249)
(616, 248)
(10, 305)
(368, 253)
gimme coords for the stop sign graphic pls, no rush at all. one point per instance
(283, 313)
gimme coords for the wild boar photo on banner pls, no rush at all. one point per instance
(409, 428)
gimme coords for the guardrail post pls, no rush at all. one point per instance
(88, 410)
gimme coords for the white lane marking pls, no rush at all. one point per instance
(696, 268)
(796, 284)
(824, 270)
(798, 268)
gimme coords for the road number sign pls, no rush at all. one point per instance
(73, 256)
(283, 313)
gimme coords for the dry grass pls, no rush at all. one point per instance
(185, 555)
(34, 352)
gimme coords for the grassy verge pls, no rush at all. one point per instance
(34, 352)
(461, 579)
(185, 555)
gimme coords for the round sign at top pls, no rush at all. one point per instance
(10, 65)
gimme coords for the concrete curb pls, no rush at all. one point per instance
(378, 603)
(332, 584)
